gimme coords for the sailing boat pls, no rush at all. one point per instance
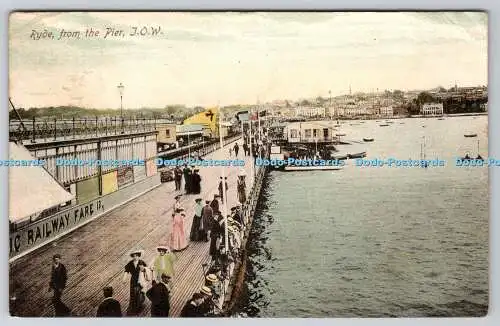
(422, 154)
(479, 157)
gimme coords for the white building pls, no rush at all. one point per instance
(432, 109)
(308, 132)
(310, 111)
(387, 111)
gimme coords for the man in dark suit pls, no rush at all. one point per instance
(58, 280)
(159, 295)
(192, 308)
(215, 204)
(109, 307)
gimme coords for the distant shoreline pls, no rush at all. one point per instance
(451, 115)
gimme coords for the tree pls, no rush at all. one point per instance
(398, 94)
(425, 97)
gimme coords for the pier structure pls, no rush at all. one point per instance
(96, 253)
(97, 188)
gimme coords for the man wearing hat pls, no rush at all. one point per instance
(159, 295)
(58, 280)
(196, 181)
(197, 225)
(221, 191)
(177, 178)
(109, 307)
(236, 214)
(212, 282)
(215, 204)
(207, 217)
(132, 271)
(208, 306)
(192, 307)
(163, 263)
(187, 179)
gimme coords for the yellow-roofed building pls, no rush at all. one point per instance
(208, 118)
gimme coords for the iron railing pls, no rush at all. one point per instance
(43, 130)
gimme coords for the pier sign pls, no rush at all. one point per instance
(40, 232)
(125, 176)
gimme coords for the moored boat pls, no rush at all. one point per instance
(312, 168)
(469, 135)
(368, 139)
(356, 155)
(384, 125)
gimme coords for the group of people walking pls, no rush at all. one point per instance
(155, 281)
(192, 179)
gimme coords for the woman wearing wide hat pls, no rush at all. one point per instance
(241, 187)
(178, 240)
(196, 233)
(163, 263)
(133, 271)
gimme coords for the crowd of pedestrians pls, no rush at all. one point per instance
(155, 281)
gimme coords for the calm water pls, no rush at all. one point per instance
(375, 242)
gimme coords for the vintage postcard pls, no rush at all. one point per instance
(248, 164)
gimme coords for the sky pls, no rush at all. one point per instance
(211, 59)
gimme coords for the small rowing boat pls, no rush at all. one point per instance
(356, 155)
(368, 139)
(469, 135)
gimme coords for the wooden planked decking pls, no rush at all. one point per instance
(96, 253)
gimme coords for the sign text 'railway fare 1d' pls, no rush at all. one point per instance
(46, 229)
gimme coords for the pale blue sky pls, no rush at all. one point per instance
(235, 58)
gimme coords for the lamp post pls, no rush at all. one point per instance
(330, 104)
(120, 90)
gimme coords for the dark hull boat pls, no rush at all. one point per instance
(470, 135)
(368, 139)
(356, 155)
(384, 125)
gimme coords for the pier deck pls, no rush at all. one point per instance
(96, 253)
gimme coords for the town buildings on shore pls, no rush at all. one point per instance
(382, 104)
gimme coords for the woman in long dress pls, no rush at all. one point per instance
(178, 236)
(177, 203)
(133, 270)
(197, 226)
(163, 263)
(241, 186)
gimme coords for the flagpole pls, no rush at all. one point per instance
(224, 195)
(251, 148)
(258, 121)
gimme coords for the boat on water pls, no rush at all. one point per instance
(440, 118)
(312, 168)
(384, 125)
(339, 135)
(478, 157)
(368, 140)
(356, 155)
(470, 135)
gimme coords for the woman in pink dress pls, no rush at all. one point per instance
(178, 236)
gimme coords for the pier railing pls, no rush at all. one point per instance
(233, 284)
(43, 130)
